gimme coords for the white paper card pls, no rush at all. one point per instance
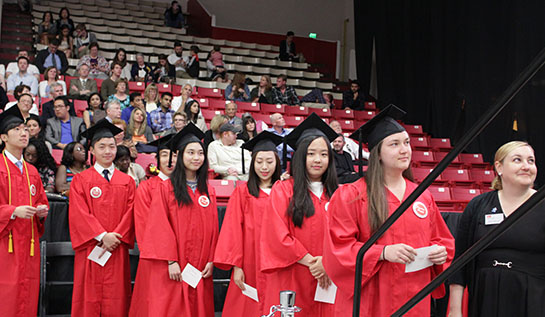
(250, 292)
(191, 275)
(421, 260)
(326, 295)
(93, 256)
(493, 219)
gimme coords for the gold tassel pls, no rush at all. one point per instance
(515, 125)
(31, 247)
(32, 237)
(10, 243)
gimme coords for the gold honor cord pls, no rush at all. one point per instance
(10, 242)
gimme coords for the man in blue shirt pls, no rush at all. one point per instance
(22, 77)
(136, 102)
(161, 118)
(52, 57)
(63, 128)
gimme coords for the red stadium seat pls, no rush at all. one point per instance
(67, 80)
(161, 88)
(145, 160)
(44, 100)
(11, 98)
(57, 155)
(137, 86)
(420, 173)
(248, 106)
(423, 158)
(79, 107)
(216, 104)
(297, 111)
(268, 108)
(347, 125)
(203, 102)
(224, 189)
(263, 117)
(454, 164)
(342, 114)
(177, 90)
(414, 129)
(473, 160)
(370, 105)
(457, 177)
(364, 115)
(442, 197)
(99, 83)
(209, 114)
(293, 121)
(483, 177)
(440, 144)
(210, 92)
(322, 112)
(420, 143)
(464, 194)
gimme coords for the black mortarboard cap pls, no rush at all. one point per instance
(264, 141)
(160, 144)
(102, 129)
(379, 127)
(312, 126)
(10, 116)
(190, 133)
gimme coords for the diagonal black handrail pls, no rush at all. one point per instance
(487, 117)
(472, 252)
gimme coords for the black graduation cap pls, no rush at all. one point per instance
(379, 127)
(190, 133)
(10, 116)
(102, 129)
(160, 144)
(264, 141)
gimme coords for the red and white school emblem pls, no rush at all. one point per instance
(96, 192)
(204, 201)
(33, 190)
(420, 210)
(326, 206)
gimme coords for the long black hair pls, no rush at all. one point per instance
(179, 180)
(101, 106)
(301, 205)
(244, 134)
(191, 117)
(44, 157)
(253, 178)
(68, 154)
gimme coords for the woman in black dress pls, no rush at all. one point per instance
(508, 278)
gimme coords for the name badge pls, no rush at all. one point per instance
(493, 219)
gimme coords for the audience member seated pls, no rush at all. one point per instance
(178, 61)
(66, 41)
(350, 146)
(83, 86)
(82, 41)
(94, 112)
(237, 90)
(193, 113)
(287, 49)
(22, 77)
(37, 154)
(50, 56)
(141, 71)
(215, 65)
(263, 92)
(180, 101)
(13, 67)
(64, 19)
(64, 128)
(248, 129)
(231, 113)
(174, 16)
(354, 98)
(316, 95)
(98, 65)
(113, 110)
(108, 86)
(123, 163)
(193, 65)
(124, 139)
(48, 107)
(47, 29)
(164, 72)
(151, 97)
(36, 130)
(51, 76)
(136, 103)
(24, 102)
(138, 129)
(120, 93)
(161, 118)
(214, 132)
(278, 127)
(121, 58)
(225, 156)
(284, 94)
(179, 121)
(73, 162)
(343, 162)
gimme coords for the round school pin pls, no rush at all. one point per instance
(204, 201)
(96, 192)
(326, 206)
(33, 190)
(420, 210)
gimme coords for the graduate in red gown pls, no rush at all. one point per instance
(23, 208)
(238, 243)
(101, 214)
(357, 210)
(184, 231)
(292, 232)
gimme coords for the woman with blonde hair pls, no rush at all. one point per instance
(508, 277)
(263, 92)
(215, 125)
(151, 97)
(138, 128)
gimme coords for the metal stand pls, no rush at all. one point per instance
(287, 306)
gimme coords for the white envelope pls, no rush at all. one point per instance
(326, 295)
(191, 275)
(250, 292)
(421, 260)
(93, 256)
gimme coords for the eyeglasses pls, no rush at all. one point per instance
(58, 107)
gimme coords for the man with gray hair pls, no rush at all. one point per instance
(231, 112)
(225, 157)
(48, 111)
(278, 123)
(83, 86)
(113, 110)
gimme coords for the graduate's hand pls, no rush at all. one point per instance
(324, 282)
(207, 272)
(111, 241)
(174, 272)
(25, 212)
(238, 277)
(285, 176)
(399, 253)
(232, 171)
(438, 256)
(316, 268)
(42, 211)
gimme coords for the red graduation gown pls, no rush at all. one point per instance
(238, 245)
(385, 285)
(283, 244)
(20, 272)
(186, 234)
(101, 291)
